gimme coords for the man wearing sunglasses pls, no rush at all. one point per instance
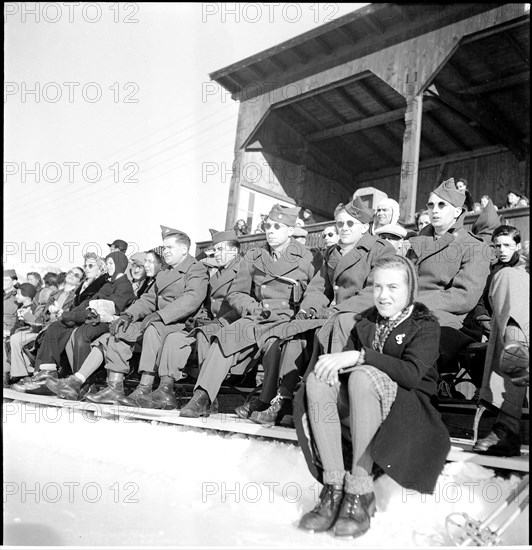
(330, 236)
(266, 293)
(340, 281)
(453, 265)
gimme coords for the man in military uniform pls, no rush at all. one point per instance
(452, 264)
(177, 294)
(342, 280)
(216, 314)
(266, 293)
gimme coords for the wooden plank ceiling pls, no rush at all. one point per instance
(480, 98)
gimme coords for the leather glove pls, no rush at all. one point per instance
(302, 315)
(122, 322)
(486, 327)
(324, 313)
(148, 320)
(92, 317)
(190, 324)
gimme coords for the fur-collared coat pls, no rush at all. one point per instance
(452, 271)
(412, 443)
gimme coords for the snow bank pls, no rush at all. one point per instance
(72, 479)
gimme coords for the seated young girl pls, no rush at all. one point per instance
(373, 403)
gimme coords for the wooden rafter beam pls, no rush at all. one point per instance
(349, 34)
(277, 63)
(304, 58)
(368, 142)
(341, 174)
(256, 71)
(518, 48)
(374, 95)
(496, 85)
(486, 116)
(488, 124)
(309, 118)
(327, 106)
(324, 45)
(447, 133)
(373, 24)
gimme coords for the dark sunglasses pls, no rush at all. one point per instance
(390, 237)
(270, 225)
(324, 235)
(90, 265)
(77, 275)
(349, 223)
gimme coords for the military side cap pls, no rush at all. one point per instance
(27, 290)
(300, 232)
(222, 236)
(169, 231)
(357, 210)
(284, 214)
(138, 258)
(10, 273)
(448, 192)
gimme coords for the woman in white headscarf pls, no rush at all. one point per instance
(386, 213)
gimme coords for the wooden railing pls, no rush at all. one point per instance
(518, 217)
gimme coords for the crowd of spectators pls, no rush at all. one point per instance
(369, 321)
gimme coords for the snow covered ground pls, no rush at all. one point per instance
(72, 479)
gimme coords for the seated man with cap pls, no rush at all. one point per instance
(215, 314)
(343, 278)
(117, 244)
(395, 234)
(177, 294)
(266, 293)
(137, 273)
(452, 264)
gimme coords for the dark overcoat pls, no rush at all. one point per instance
(176, 295)
(342, 283)
(266, 294)
(412, 443)
(220, 312)
(452, 271)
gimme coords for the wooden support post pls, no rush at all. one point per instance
(410, 163)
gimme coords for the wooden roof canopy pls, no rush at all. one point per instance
(479, 98)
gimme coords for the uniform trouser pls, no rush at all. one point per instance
(53, 344)
(174, 355)
(217, 366)
(283, 365)
(119, 352)
(202, 346)
(81, 341)
(20, 363)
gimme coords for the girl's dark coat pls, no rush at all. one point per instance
(412, 444)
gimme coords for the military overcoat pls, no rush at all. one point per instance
(266, 294)
(176, 295)
(452, 271)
